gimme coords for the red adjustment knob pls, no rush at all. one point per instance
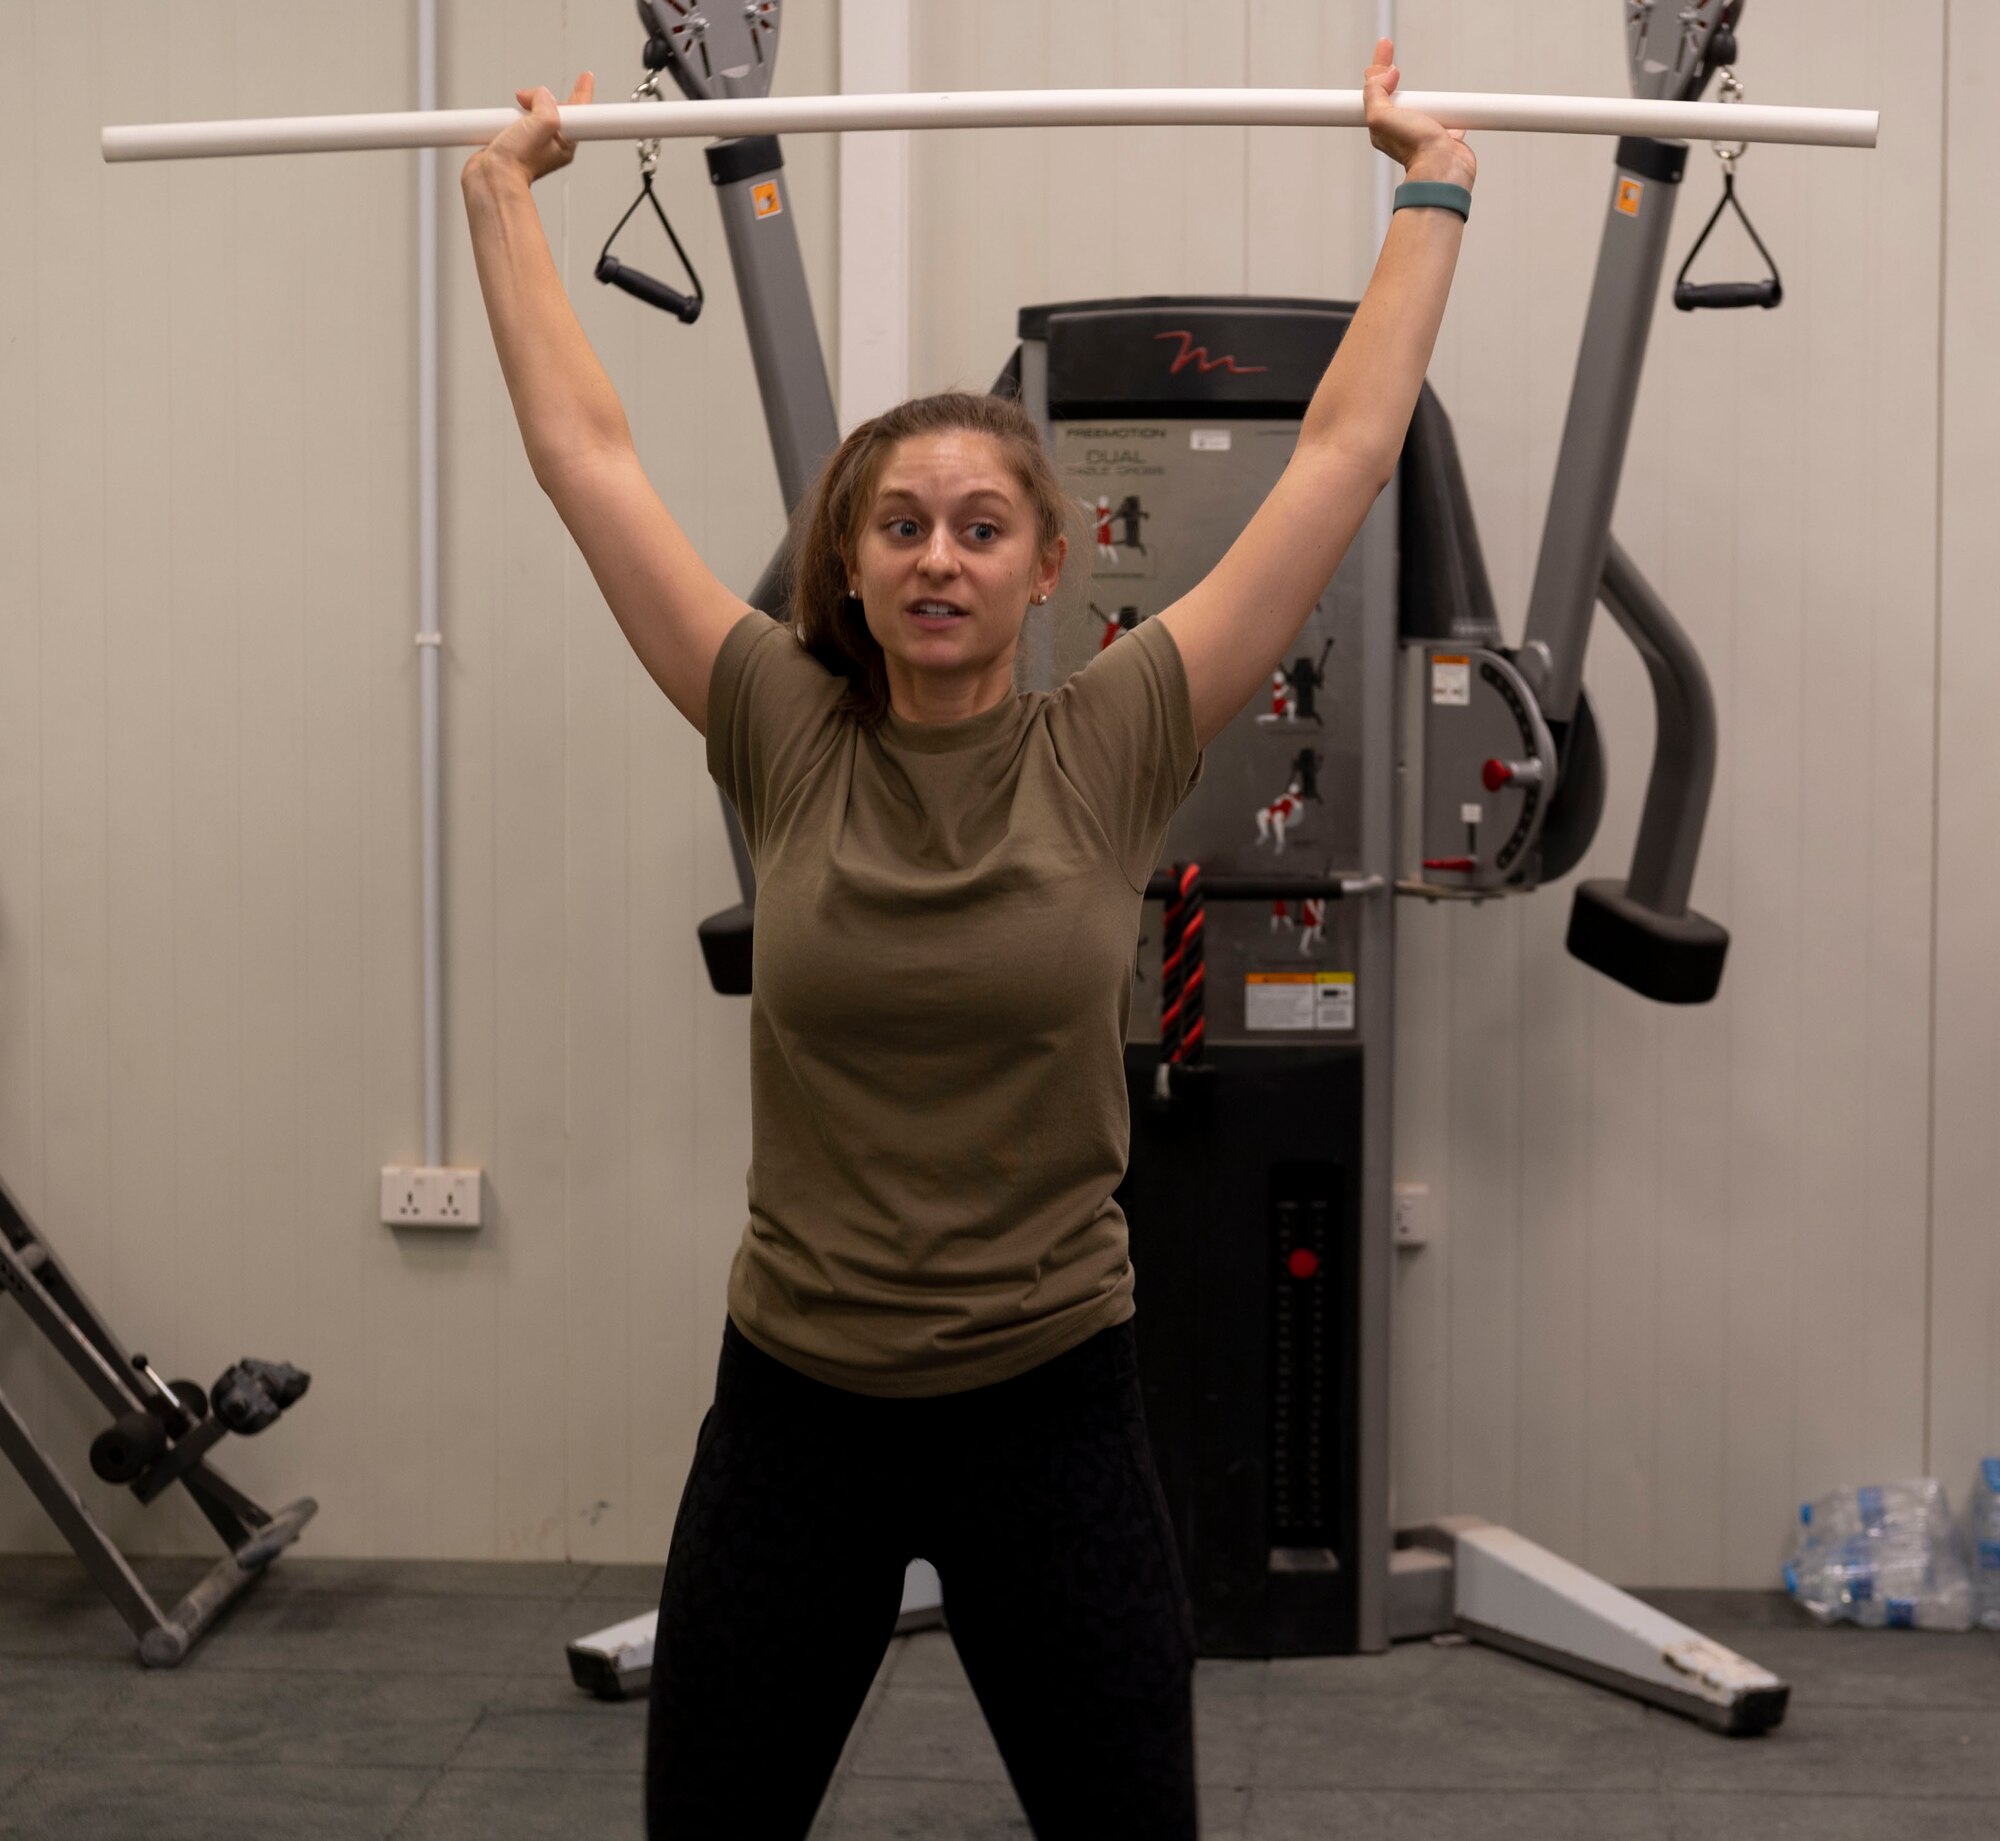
(1303, 1262)
(1497, 774)
(1463, 865)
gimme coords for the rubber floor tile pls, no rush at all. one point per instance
(105, 1801)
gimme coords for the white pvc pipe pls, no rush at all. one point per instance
(1060, 108)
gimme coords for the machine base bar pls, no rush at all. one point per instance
(1516, 1596)
(1753, 1711)
(616, 1663)
(168, 1642)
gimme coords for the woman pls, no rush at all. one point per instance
(929, 1346)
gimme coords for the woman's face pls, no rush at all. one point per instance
(946, 561)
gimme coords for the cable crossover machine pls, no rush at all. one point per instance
(1259, 1193)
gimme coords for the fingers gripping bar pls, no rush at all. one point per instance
(1106, 108)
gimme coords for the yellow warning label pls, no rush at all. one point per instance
(1451, 679)
(764, 199)
(1628, 196)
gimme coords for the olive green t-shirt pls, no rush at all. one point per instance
(947, 930)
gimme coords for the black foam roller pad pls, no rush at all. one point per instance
(725, 944)
(1673, 959)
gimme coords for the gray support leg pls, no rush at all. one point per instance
(102, 1560)
(172, 1637)
(164, 1637)
(798, 411)
(1375, 1003)
(1642, 932)
(56, 1305)
(771, 595)
(1684, 747)
(777, 309)
(1599, 423)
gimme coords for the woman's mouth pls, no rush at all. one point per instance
(936, 614)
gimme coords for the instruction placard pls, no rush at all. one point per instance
(1298, 1001)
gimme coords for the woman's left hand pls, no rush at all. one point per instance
(1419, 145)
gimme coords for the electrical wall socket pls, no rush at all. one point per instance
(420, 1196)
(1412, 1214)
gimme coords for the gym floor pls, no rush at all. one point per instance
(431, 1701)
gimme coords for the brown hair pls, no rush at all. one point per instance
(828, 620)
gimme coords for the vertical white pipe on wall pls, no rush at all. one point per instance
(874, 370)
(429, 640)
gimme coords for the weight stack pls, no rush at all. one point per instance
(1243, 1200)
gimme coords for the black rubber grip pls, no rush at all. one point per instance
(644, 287)
(1690, 295)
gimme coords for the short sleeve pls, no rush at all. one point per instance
(1123, 731)
(771, 714)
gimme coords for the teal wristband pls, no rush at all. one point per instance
(1434, 192)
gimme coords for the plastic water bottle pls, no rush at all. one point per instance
(1871, 1510)
(1986, 1543)
(1886, 1555)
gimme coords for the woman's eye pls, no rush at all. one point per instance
(984, 532)
(903, 527)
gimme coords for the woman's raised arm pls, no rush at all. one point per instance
(672, 608)
(1234, 627)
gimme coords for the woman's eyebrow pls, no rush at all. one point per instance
(994, 493)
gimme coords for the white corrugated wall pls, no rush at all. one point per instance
(1692, 1264)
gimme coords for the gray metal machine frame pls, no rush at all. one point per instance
(55, 1303)
(1458, 1572)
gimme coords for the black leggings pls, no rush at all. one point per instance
(1036, 1500)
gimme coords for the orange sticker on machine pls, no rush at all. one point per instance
(1629, 191)
(764, 199)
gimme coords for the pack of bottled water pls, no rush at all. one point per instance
(1886, 1555)
(1986, 1543)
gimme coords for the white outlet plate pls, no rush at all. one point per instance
(1411, 1213)
(429, 1196)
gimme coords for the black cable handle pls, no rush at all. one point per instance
(1690, 295)
(685, 308)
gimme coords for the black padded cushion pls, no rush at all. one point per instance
(1671, 959)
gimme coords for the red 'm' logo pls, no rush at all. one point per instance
(1197, 355)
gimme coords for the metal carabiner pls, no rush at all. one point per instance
(1729, 90)
(649, 151)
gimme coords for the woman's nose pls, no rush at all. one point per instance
(940, 558)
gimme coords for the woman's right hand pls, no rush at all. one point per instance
(534, 144)
(1422, 148)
